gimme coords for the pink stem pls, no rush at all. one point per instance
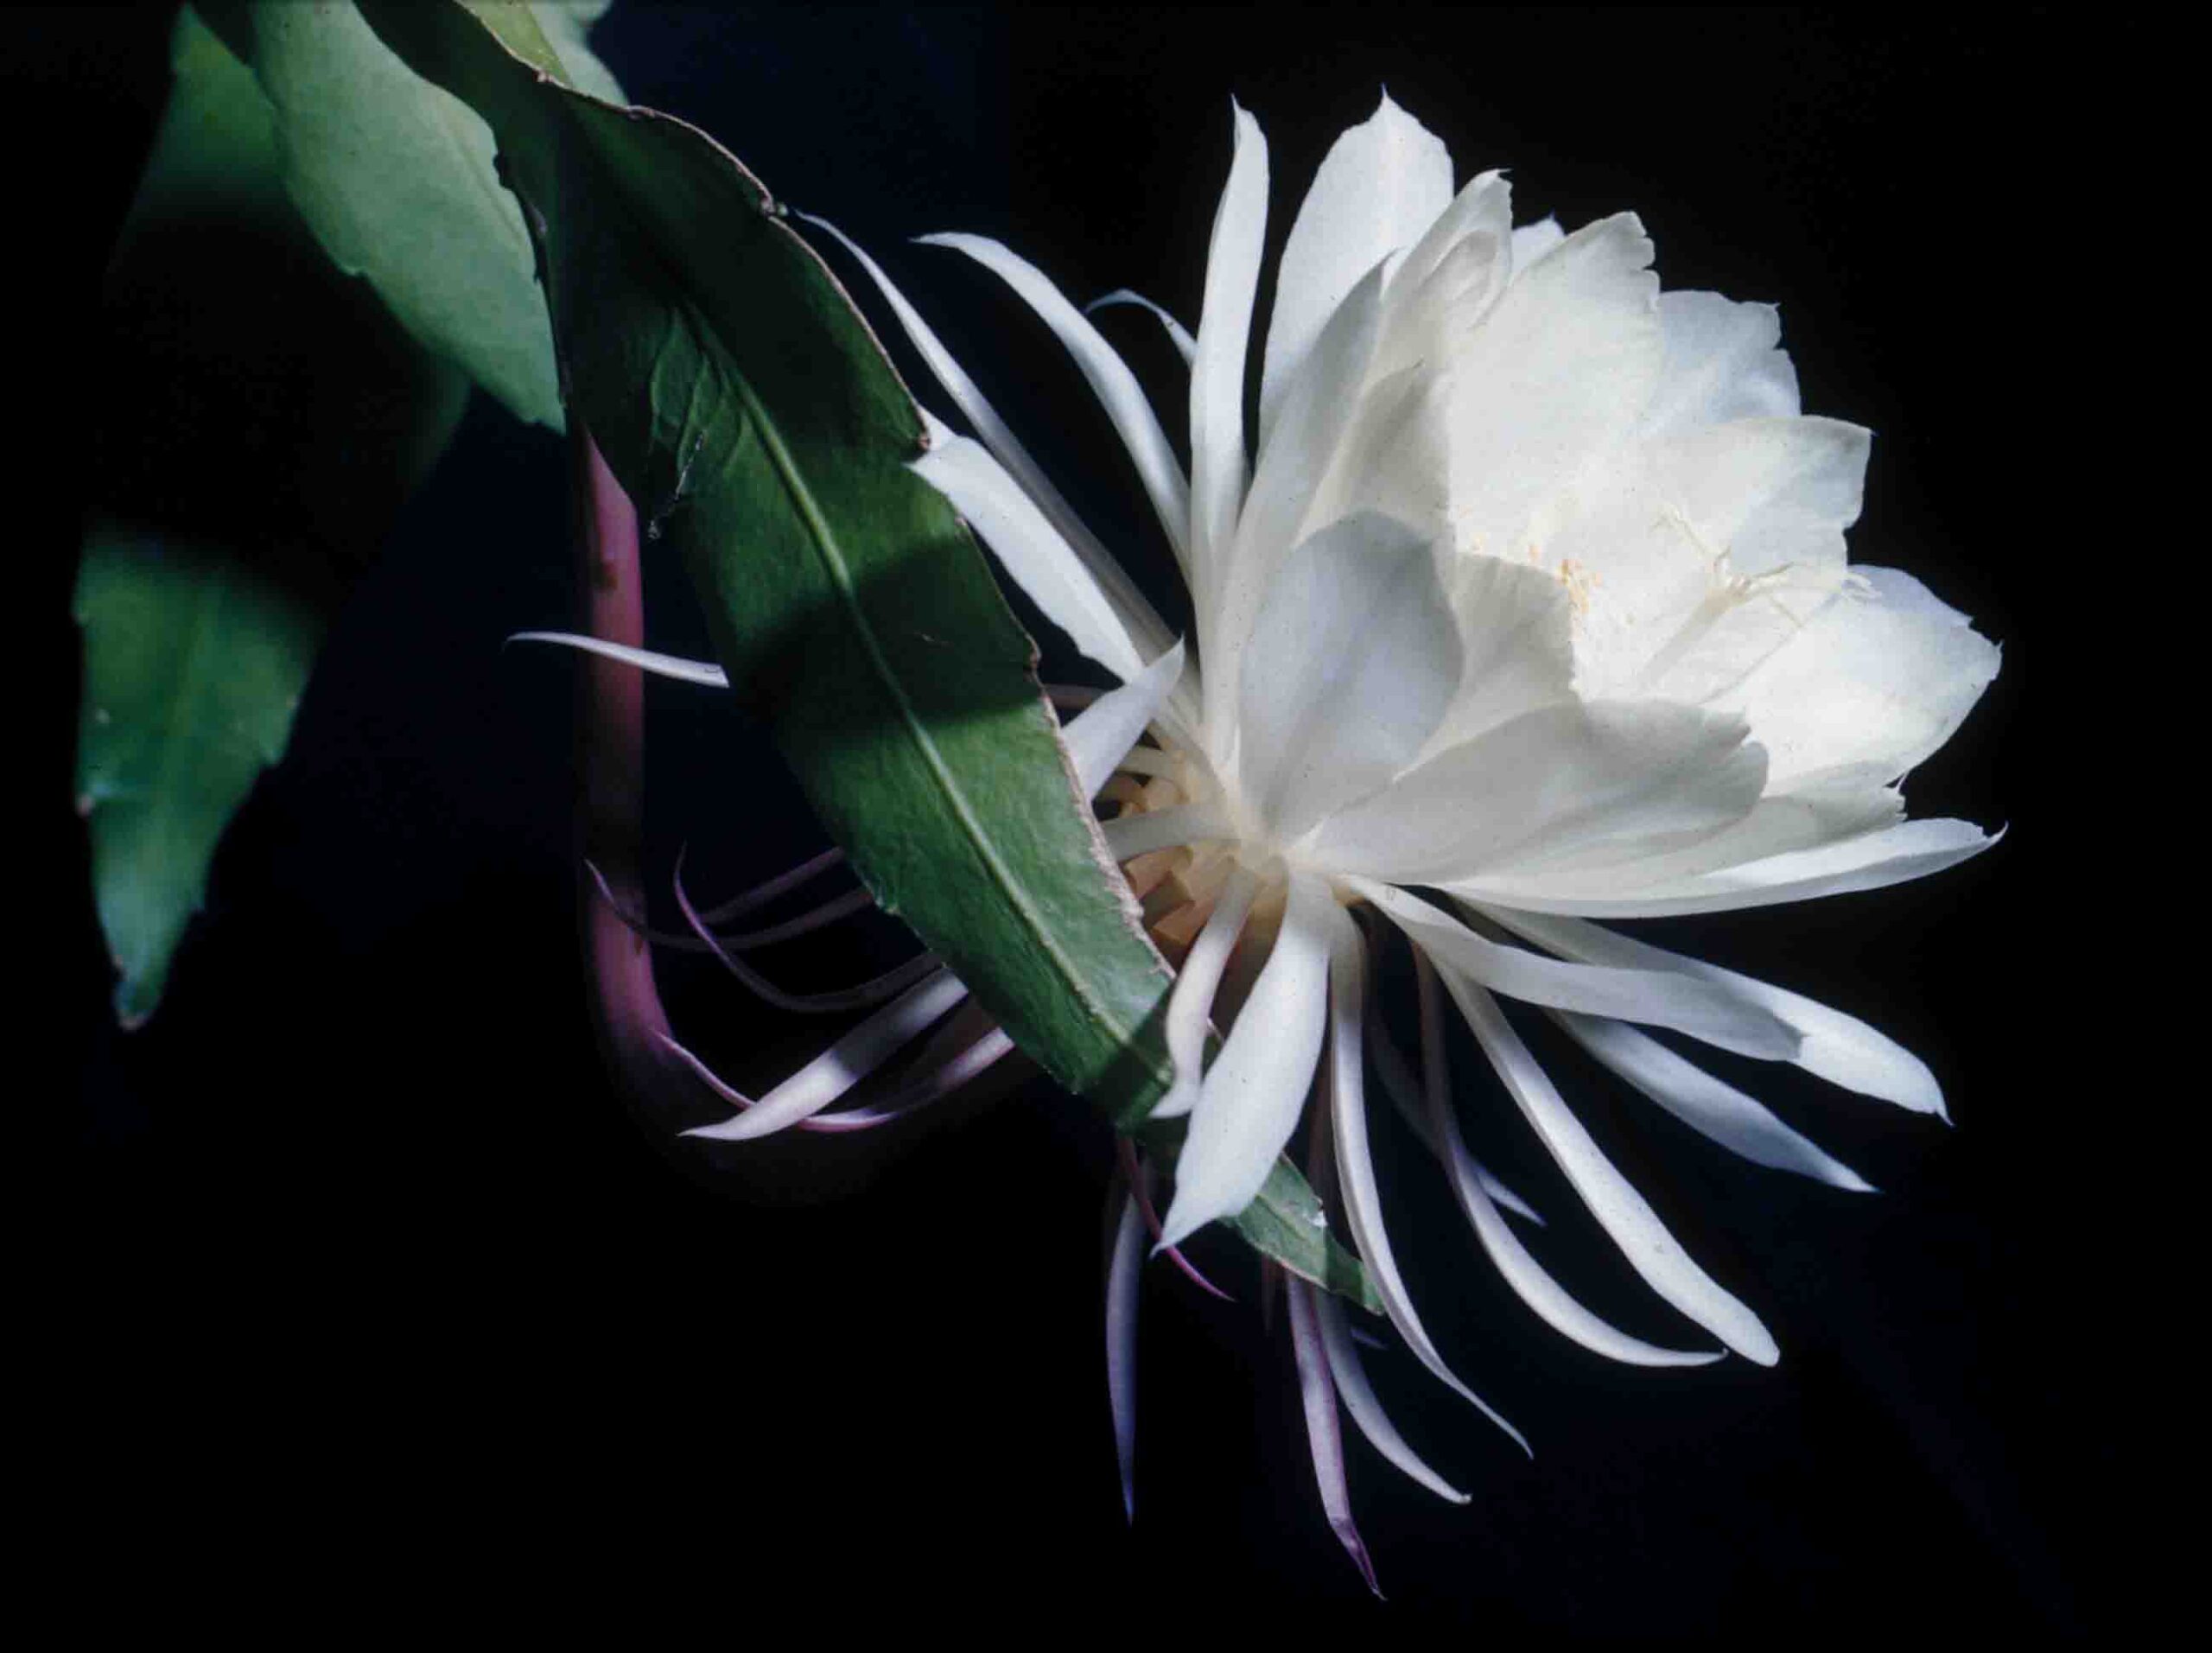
(611, 742)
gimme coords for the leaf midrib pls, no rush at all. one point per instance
(831, 556)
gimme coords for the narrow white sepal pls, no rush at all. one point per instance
(1249, 1103)
(1404, 1091)
(1108, 376)
(1100, 735)
(1032, 550)
(1662, 998)
(1840, 1048)
(1137, 613)
(705, 673)
(1872, 861)
(1620, 1211)
(846, 1062)
(1123, 1272)
(1711, 1107)
(1190, 1005)
(1529, 1280)
(1356, 1167)
(1177, 332)
(1218, 468)
(1361, 1400)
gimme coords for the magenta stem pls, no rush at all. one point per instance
(610, 808)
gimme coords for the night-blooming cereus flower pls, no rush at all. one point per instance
(1529, 589)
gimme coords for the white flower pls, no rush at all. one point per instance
(1533, 592)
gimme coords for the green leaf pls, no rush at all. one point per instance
(398, 179)
(193, 668)
(750, 413)
(1286, 1221)
(268, 420)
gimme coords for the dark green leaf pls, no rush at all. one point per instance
(1286, 1221)
(268, 418)
(396, 178)
(751, 414)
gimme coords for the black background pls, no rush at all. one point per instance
(365, 1296)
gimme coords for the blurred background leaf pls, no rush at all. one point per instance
(268, 412)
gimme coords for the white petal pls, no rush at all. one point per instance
(1529, 1280)
(1109, 377)
(1517, 636)
(1779, 824)
(1693, 558)
(1428, 323)
(1137, 612)
(1724, 361)
(1661, 998)
(1532, 241)
(1556, 375)
(1256, 1087)
(1177, 333)
(1218, 454)
(1842, 1049)
(1878, 679)
(1872, 861)
(1395, 457)
(1356, 1167)
(705, 673)
(1769, 492)
(1623, 1213)
(1383, 183)
(1560, 788)
(1030, 550)
(1481, 212)
(1321, 404)
(1710, 1107)
(1352, 660)
(1361, 1400)
(846, 1062)
(1190, 1005)
(1100, 736)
